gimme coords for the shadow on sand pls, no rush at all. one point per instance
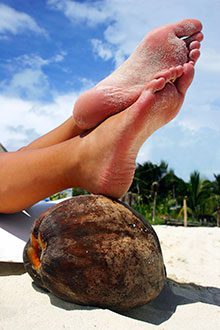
(160, 309)
(173, 295)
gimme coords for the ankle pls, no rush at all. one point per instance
(76, 164)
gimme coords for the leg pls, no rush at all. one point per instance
(64, 132)
(166, 47)
(28, 176)
(90, 161)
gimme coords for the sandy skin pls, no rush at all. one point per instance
(163, 48)
(115, 154)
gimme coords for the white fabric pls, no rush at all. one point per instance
(15, 230)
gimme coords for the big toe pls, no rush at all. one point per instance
(187, 27)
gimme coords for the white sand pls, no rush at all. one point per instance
(192, 301)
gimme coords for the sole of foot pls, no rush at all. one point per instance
(169, 46)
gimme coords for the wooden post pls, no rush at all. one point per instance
(218, 217)
(154, 207)
(185, 212)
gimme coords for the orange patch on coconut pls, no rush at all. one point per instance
(35, 250)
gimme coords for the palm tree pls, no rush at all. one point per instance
(199, 192)
(146, 183)
(216, 184)
(154, 188)
(216, 198)
(173, 188)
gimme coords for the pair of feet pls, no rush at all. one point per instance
(143, 94)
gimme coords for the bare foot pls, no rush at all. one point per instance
(166, 47)
(110, 150)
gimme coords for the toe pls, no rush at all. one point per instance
(173, 73)
(187, 27)
(194, 55)
(157, 84)
(194, 45)
(164, 73)
(183, 83)
(168, 75)
(195, 37)
(176, 72)
(179, 70)
(199, 36)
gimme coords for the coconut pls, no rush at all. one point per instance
(93, 250)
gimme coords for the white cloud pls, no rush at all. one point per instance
(81, 12)
(14, 22)
(101, 49)
(35, 61)
(59, 57)
(210, 61)
(145, 153)
(22, 121)
(28, 80)
(86, 83)
(122, 32)
(29, 83)
(106, 51)
(31, 61)
(184, 150)
(199, 117)
(201, 109)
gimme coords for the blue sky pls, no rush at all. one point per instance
(53, 50)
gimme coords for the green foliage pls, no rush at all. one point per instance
(141, 208)
(79, 191)
(161, 193)
(63, 194)
(144, 209)
(198, 192)
(57, 196)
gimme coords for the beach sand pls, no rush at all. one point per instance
(189, 300)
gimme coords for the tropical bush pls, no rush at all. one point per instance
(161, 194)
